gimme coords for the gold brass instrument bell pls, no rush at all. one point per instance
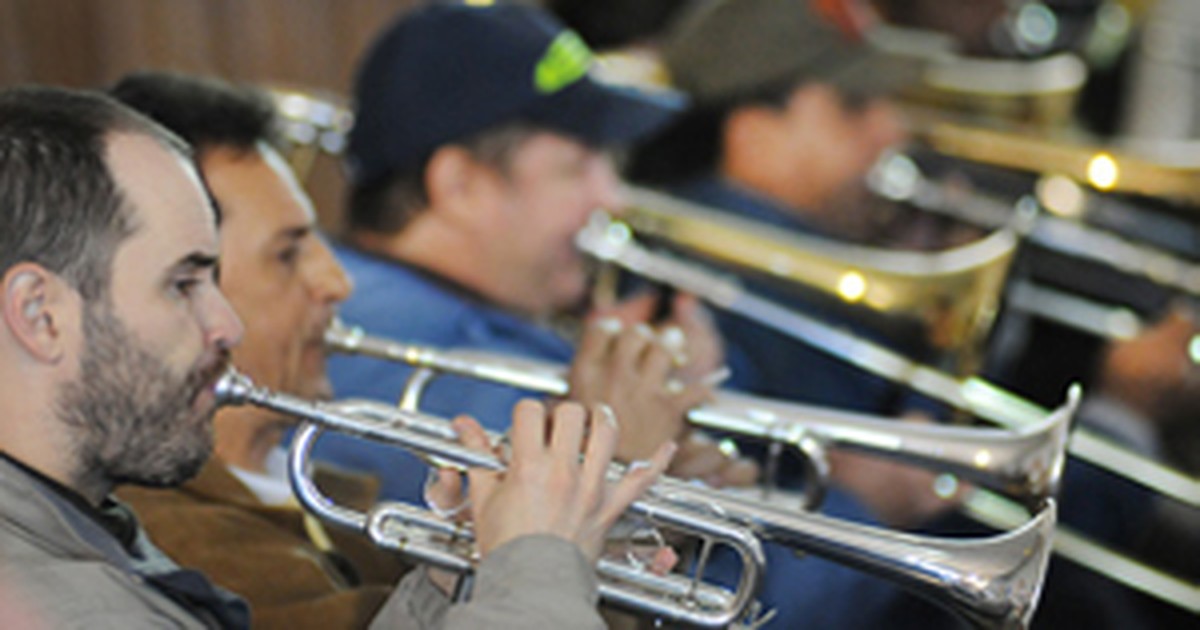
(1038, 93)
(614, 242)
(1059, 229)
(1103, 168)
(992, 582)
(953, 292)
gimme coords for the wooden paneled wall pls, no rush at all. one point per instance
(91, 43)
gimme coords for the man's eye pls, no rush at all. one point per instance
(186, 286)
(289, 255)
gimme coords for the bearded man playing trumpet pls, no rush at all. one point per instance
(113, 335)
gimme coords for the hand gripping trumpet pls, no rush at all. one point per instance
(1025, 463)
(992, 582)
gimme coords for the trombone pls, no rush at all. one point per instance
(614, 242)
(1024, 462)
(992, 582)
(953, 292)
(895, 176)
(1098, 167)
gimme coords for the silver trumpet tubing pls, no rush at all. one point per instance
(992, 582)
(444, 543)
(1025, 463)
(613, 242)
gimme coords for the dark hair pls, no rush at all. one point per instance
(614, 23)
(388, 204)
(60, 206)
(692, 145)
(205, 112)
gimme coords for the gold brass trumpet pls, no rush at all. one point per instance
(992, 582)
(1025, 463)
(1102, 168)
(953, 293)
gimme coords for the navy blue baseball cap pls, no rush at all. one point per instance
(445, 72)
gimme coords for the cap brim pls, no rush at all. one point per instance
(868, 72)
(602, 115)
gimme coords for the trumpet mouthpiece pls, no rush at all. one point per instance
(233, 388)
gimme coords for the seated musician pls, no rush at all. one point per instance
(464, 204)
(788, 114)
(468, 186)
(114, 332)
(1144, 398)
(237, 520)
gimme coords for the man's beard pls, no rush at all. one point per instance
(134, 415)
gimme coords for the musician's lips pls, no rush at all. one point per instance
(206, 379)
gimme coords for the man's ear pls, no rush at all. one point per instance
(449, 177)
(460, 187)
(32, 305)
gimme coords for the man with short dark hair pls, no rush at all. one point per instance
(788, 115)
(114, 331)
(112, 334)
(237, 520)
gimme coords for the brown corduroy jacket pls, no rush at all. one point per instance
(265, 554)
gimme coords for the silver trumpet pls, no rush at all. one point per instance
(1025, 462)
(992, 582)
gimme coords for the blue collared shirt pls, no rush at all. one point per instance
(768, 362)
(396, 301)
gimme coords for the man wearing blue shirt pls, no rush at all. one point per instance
(477, 153)
(474, 159)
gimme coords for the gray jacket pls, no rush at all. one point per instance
(74, 574)
(532, 582)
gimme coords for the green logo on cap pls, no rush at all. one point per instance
(567, 60)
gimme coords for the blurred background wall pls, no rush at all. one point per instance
(308, 44)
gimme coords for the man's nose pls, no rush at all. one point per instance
(224, 328)
(328, 281)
